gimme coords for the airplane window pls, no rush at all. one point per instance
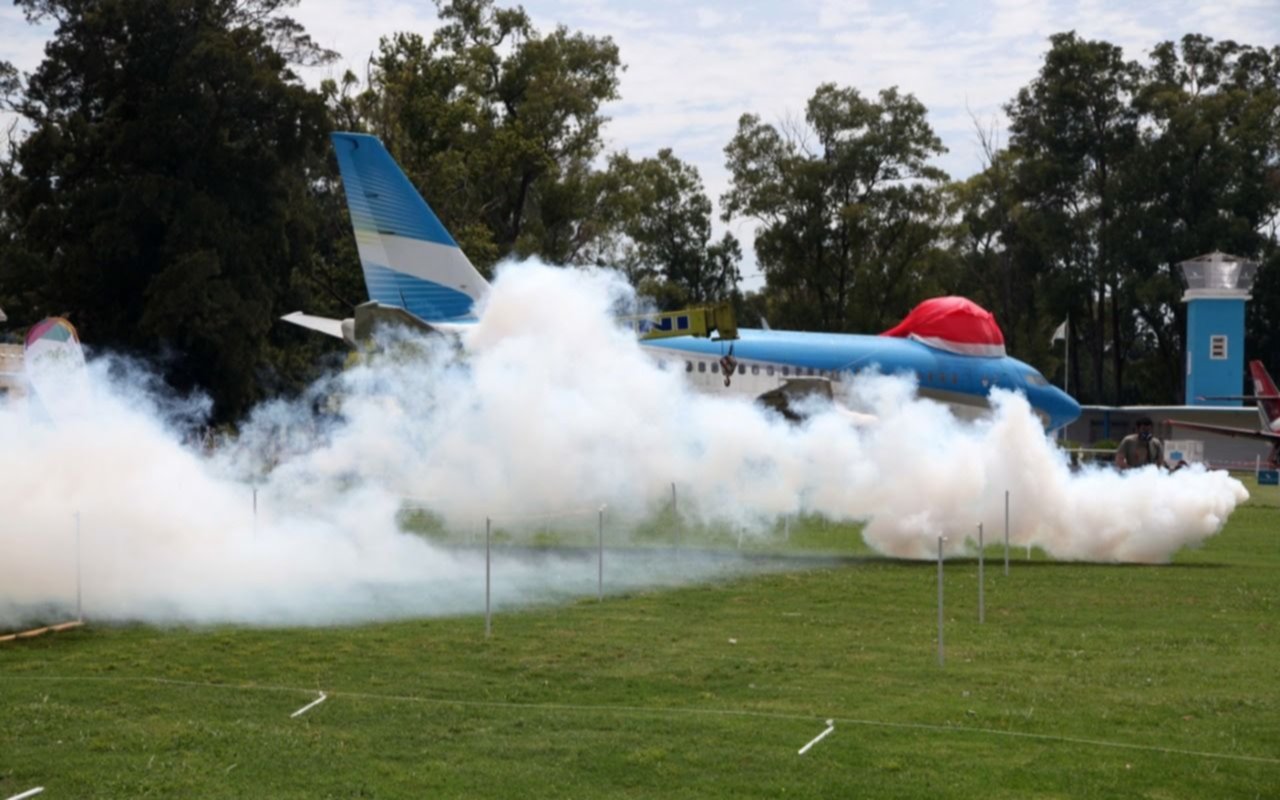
(702, 366)
(786, 371)
(954, 379)
(742, 369)
(715, 367)
(755, 369)
(769, 370)
(688, 366)
(1036, 379)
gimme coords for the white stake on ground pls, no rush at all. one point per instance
(831, 726)
(28, 793)
(308, 706)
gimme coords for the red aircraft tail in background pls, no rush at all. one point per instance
(1268, 398)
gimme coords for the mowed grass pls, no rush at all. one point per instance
(1085, 681)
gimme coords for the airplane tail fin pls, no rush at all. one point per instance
(409, 260)
(1268, 398)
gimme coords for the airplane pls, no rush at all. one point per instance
(414, 269)
(1265, 392)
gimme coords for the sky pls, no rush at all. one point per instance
(693, 68)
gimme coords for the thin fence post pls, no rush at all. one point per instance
(600, 561)
(941, 657)
(255, 510)
(79, 606)
(488, 620)
(982, 603)
(675, 518)
(1006, 532)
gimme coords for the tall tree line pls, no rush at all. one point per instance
(172, 189)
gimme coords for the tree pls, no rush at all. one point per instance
(993, 265)
(1210, 176)
(1074, 133)
(664, 219)
(163, 195)
(498, 124)
(850, 210)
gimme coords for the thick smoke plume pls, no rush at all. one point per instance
(546, 409)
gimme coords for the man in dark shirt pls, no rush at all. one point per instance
(1140, 448)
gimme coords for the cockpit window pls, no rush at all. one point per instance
(1036, 379)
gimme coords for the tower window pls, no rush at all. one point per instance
(1218, 347)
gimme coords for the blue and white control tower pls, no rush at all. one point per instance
(1218, 286)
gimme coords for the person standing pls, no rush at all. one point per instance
(1140, 448)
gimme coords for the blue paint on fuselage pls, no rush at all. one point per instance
(849, 353)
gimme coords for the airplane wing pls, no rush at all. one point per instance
(1248, 433)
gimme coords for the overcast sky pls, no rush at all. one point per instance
(694, 67)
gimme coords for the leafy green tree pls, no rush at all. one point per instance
(1122, 172)
(1210, 180)
(663, 216)
(993, 266)
(163, 195)
(498, 125)
(850, 210)
(1074, 132)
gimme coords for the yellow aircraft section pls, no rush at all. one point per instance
(697, 321)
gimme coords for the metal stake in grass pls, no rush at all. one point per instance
(488, 624)
(941, 657)
(79, 607)
(28, 793)
(982, 606)
(675, 518)
(600, 560)
(1006, 532)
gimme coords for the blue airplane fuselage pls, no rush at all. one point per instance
(956, 379)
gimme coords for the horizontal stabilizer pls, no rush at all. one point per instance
(1238, 397)
(1225, 430)
(325, 325)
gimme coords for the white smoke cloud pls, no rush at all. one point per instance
(546, 407)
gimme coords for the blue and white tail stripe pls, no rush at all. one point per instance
(409, 259)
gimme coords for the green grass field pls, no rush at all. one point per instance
(1085, 681)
